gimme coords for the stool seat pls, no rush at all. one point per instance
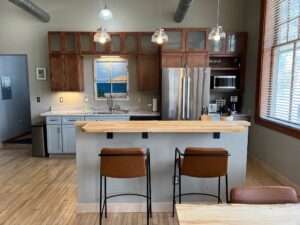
(114, 164)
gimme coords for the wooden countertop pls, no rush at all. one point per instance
(237, 214)
(162, 126)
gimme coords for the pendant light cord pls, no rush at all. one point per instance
(100, 12)
(218, 13)
(159, 11)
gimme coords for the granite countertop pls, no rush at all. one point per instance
(98, 113)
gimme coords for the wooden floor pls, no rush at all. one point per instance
(42, 191)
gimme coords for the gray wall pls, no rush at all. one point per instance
(15, 113)
(279, 151)
(22, 33)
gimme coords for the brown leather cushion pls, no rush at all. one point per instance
(123, 166)
(205, 166)
(263, 195)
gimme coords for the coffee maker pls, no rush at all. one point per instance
(233, 104)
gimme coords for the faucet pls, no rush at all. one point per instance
(110, 103)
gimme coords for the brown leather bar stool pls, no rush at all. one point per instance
(200, 163)
(263, 195)
(124, 163)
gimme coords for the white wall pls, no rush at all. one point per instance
(22, 33)
(279, 151)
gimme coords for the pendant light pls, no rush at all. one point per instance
(101, 35)
(105, 13)
(217, 32)
(159, 35)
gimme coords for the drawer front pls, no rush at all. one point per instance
(70, 120)
(53, 120)
(106, 118)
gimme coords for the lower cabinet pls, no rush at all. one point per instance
(54, 139)
(69, 138)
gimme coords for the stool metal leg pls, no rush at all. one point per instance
(150, 193)
(105, 194)
(179, 176)
(219, 188)
(147, 196)
(174, 186)
(100, 202)
(226, 179)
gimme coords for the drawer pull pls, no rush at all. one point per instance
(53, 120)
(72, 120)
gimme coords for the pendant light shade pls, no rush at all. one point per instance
(159, 36)
(106, 14)
(217, 32)
(101, 36)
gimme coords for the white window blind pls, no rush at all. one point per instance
(280, 75)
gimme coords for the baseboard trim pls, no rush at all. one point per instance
(273, 173)
(124, 207)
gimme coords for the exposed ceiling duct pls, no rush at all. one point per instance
(182, 9)
(33, 9)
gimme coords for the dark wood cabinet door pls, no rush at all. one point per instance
(73, 73)
(70, 42)
(130, 43)
(196, 40)
(56, 72)
(145, 46)
(86, 43)
(148, 73)
(176, 40)
(116, 44)
(55, 44)
(235, 42)
(197, 59)
(173, 60)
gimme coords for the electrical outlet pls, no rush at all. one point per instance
(61, 99)
(86, 98)
(176, 180)
(38, 99)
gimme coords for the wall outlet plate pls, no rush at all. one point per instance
(61, 99)
(86, 98)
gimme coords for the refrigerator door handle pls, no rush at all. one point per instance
(188, 97)
(183, 97)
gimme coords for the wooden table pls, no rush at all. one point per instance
(238, 214)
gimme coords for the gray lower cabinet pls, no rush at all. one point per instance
(61, 134)
(69, 138)
(54, 139)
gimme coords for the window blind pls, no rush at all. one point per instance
(280, 68)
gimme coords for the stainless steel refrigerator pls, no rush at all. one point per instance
(184, 92)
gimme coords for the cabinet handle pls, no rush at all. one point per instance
(72, 120)
(53, 120)
(58, 130)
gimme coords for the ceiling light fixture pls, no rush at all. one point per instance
(217, 32)
(101, 36)
(159, 35)
(106, 13)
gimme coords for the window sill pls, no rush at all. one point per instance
(278, 127)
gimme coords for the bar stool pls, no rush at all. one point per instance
(200, 163)
(124, 163)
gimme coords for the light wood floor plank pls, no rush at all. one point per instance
(42, 191)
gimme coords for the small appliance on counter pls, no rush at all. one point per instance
(233, 104)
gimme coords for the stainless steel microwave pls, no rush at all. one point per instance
(225, 82)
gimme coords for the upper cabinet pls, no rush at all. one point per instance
(63, 42)
(176, 42)
(130, 43)
(86, 43)
(55, 42)
(233, 44)
(196, 40)
(145, 45)
(115, 45)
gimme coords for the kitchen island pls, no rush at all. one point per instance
(161, 137)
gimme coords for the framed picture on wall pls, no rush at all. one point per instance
(41, 73)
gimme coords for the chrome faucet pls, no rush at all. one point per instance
(110, 103)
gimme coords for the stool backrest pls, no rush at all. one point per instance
(123, 162)
(205, 162)
(263, 195)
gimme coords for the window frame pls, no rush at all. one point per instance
(280, 127)
(114, 96)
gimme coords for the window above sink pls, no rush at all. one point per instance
(111, 78)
